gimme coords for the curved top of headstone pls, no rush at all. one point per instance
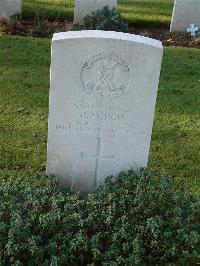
(107, 35)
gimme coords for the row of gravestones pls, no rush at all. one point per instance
(185, 12)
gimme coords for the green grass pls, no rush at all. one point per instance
(24, 85)
(140, 12)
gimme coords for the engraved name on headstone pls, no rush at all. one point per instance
(102, 100)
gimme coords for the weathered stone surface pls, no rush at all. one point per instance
(102, 99)
(185, 12)
(86, 7)
(9, 8)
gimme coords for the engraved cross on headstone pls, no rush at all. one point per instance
(98, 158)
(193, 29)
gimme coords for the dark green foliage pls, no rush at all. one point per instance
(105, 19)
(133, 220)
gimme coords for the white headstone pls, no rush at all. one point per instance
(102, 100)
(86, 7)
(192, 30)
(10, 8)
(185, 13)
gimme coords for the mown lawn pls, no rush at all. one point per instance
(141, 12)
(24, 86)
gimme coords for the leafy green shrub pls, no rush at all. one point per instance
(131, 220)
(104, 19)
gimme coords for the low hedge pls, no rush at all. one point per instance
(134, 219)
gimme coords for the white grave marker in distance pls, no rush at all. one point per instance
(102, 101)
(10, 8)
(86, 7)
(192, 30)
(185, 13)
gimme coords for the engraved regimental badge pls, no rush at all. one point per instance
(105, 75)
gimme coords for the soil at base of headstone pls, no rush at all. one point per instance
(170, 39)
(47, 28)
